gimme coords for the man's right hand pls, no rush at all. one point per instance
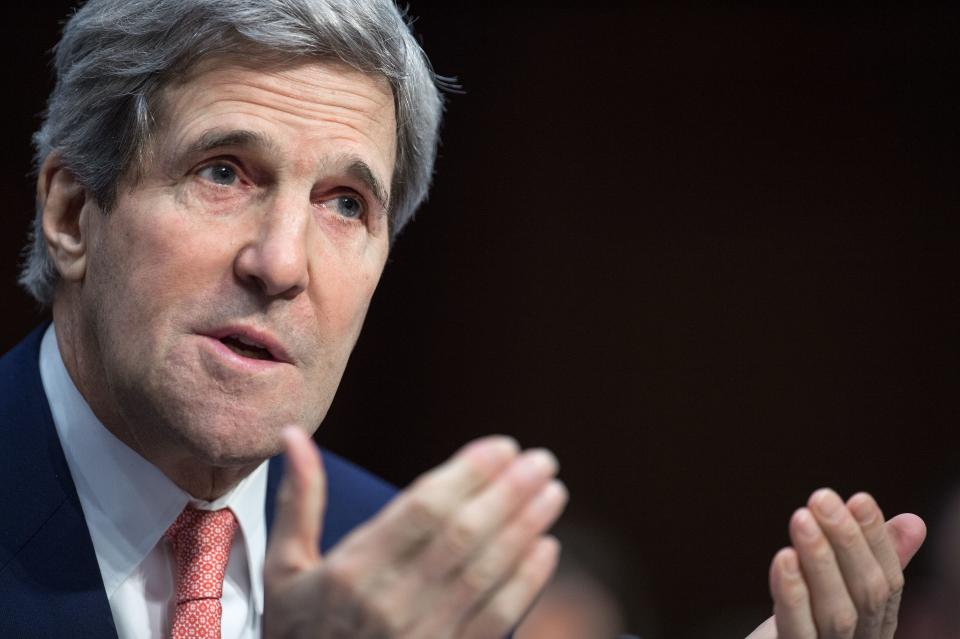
(461, 553)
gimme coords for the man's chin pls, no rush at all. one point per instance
(235, 458)
(221, 443)
(199, 420)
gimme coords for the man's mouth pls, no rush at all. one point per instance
(247, 348)
(250, 342)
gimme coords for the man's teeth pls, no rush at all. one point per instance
(246, 347)
(248, 342)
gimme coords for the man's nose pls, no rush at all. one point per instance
(276, 258)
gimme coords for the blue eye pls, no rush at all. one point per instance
(346, 206)
(222, 174)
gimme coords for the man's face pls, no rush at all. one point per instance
(224, 291)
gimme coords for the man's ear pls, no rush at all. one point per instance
(64, 204)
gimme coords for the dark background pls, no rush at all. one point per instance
(704, 251)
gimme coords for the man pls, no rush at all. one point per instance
(218, 184)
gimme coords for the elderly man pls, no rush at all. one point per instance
(218, 185)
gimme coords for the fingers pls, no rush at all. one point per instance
(479, 547)
(859, 561)
(850, 570)
(791, 600)
(833, 610)
(495, 562)
(463, 544)
(870, 520)
(300, 505)
(504, 609)
(414, 517)
(484, 515)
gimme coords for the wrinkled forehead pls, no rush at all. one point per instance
(310, 96)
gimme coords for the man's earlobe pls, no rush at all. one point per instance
(64, 203)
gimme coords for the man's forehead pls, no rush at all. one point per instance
(328, 75)
(222, 104)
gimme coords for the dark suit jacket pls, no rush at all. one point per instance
(50, 582)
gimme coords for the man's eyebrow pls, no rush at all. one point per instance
(360, 170)
(242, 138)
(218, 139)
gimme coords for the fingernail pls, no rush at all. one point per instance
(539, 461)
(828, 504)
(806, 526)
(863, 511)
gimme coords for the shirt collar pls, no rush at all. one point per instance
(127, 502)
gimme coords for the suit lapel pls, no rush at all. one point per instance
(274, 475)
(50, 583)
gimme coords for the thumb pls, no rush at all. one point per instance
(907, 532)
(301, 501)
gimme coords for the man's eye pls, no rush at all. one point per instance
(222, 174)
(346, 206)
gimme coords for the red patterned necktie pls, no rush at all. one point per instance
(201, 543)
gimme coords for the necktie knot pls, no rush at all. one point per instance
(201, 542)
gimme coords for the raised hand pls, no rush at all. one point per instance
(842, 576)
(461, 553)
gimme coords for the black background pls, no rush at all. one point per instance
(703, 251)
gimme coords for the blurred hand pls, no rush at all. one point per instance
(842, 577)
(461, 553)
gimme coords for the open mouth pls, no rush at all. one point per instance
(246, 348)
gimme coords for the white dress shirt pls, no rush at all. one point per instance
(129, 504)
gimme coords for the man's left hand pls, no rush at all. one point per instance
(842, 577)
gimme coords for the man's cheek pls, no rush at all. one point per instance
(353, 297)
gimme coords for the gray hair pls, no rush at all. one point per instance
(116, 56)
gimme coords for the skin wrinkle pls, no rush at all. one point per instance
(343, 113)
(227, 141)
(343, 164)
(179, 255)
(285, 71)
(353, 109)
(346, 107)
